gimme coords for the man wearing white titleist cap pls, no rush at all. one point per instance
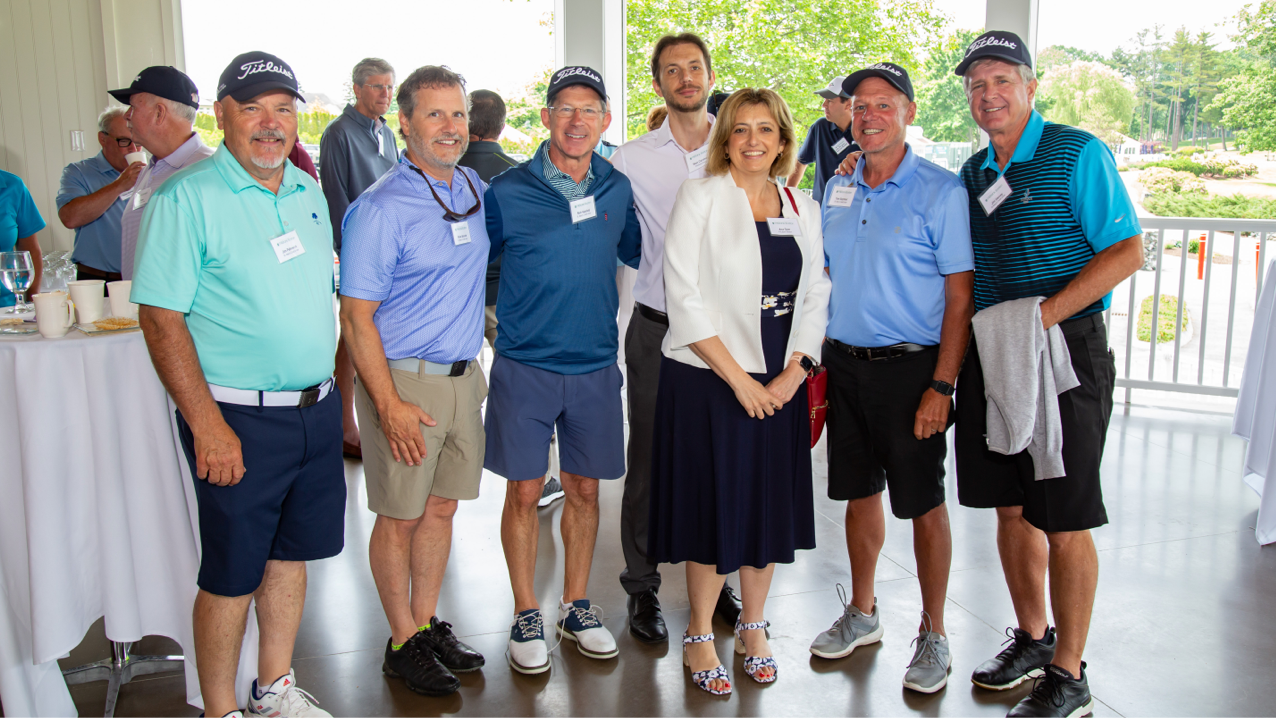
(828, 141)
(234, 276)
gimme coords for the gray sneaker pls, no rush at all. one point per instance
(928, 671)
(850, 631)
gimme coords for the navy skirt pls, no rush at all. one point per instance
(728, 490)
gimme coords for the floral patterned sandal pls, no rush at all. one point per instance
(754, 664)
(705, 678)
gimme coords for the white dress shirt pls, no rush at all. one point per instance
(149, 180)
(656, 166)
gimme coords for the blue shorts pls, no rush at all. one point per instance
(290, 505)
(525, 403)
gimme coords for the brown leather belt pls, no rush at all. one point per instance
(654, 315)
(84, 270)
(877, 353)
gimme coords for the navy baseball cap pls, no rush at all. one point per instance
(889, 71)
(161, 81)
(253, 73)
(1001, 44)
(576, 75)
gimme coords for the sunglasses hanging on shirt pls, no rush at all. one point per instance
(449, 215)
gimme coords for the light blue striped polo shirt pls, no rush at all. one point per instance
(397, 249)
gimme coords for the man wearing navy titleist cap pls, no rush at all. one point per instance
(897, 244)
(1052, 224)
(561, 221)
(162, 105)
(234, 276)
(828, 141)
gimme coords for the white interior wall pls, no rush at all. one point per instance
(592, 33)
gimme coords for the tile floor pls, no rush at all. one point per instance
(1182, 625)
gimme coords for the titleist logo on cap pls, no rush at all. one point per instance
(252, 68)
(569, 71)
(987, 41)
(887, 68)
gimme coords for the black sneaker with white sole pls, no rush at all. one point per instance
(1056, 694)
(552, 492)
(420, 670)
(1024, 658)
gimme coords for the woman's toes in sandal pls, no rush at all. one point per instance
(707, 678)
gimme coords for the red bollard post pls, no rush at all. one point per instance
(1200, 257)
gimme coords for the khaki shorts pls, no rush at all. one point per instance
(454, 447)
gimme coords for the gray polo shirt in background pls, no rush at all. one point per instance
(353, 153)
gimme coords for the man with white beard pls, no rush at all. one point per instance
(235, 281)
(413, 285)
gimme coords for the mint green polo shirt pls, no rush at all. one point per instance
(204, 250)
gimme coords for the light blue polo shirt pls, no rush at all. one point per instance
(204, 250)
(97, 243)
(888, 252)
(397, 249)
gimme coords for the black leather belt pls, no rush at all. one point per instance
(893, 351)
(654, 315)
(1081, 325)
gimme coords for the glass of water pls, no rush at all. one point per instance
(16, 273)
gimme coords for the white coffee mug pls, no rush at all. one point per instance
(89, 298)
(120, 305)
(135, 157)
(53, 314)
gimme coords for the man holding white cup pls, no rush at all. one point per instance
(235, 278)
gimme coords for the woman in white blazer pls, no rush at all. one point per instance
(747, 300)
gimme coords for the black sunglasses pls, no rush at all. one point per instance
(449, 215)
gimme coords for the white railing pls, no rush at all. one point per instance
(1215, 291)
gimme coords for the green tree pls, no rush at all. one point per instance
(1248, 99)
(1142, 65)
(1089, 95)
(943, 112)
(1060, 55)
(790, 46)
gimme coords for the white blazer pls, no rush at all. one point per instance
(713, 275)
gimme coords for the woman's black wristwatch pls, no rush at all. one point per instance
(807, 364)
(942, 387)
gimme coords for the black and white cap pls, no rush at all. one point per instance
(169, 83)
(253, 73)
(1001, 44)
(889, 71)
(576, 75)
(834, 88)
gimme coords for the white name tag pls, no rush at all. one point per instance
(841, 145)
(783, 227)
(583, 209)
(140, 198)
(997, 193)
(842, 196)
(697, 160)
(460, 233)
(287, 246)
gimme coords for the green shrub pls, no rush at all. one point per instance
(1199, 204)
(1165, 322)
(1159, 180)
(1203, 167)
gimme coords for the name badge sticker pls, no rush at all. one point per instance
(783, 226)
(583, 209)
(460, 233)
(996, 193)
(142, 197)
(841, 145)
(697, 160)
(842, 196)
(287, 246)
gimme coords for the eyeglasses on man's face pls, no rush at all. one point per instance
(564, 112)
(379, 88)
(121, 141)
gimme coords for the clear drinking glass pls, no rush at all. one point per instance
(16, 273)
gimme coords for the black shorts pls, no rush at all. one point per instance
(291, 503)
(986, 479)
(872, 409)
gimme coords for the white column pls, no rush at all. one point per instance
(592, 33)
(138, 34)
(1017, 16)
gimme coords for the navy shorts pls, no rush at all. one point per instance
(290, 505)
(524, 404)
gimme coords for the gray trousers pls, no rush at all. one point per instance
(642, 377)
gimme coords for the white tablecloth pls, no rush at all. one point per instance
(97, 515)
(1256, 409)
